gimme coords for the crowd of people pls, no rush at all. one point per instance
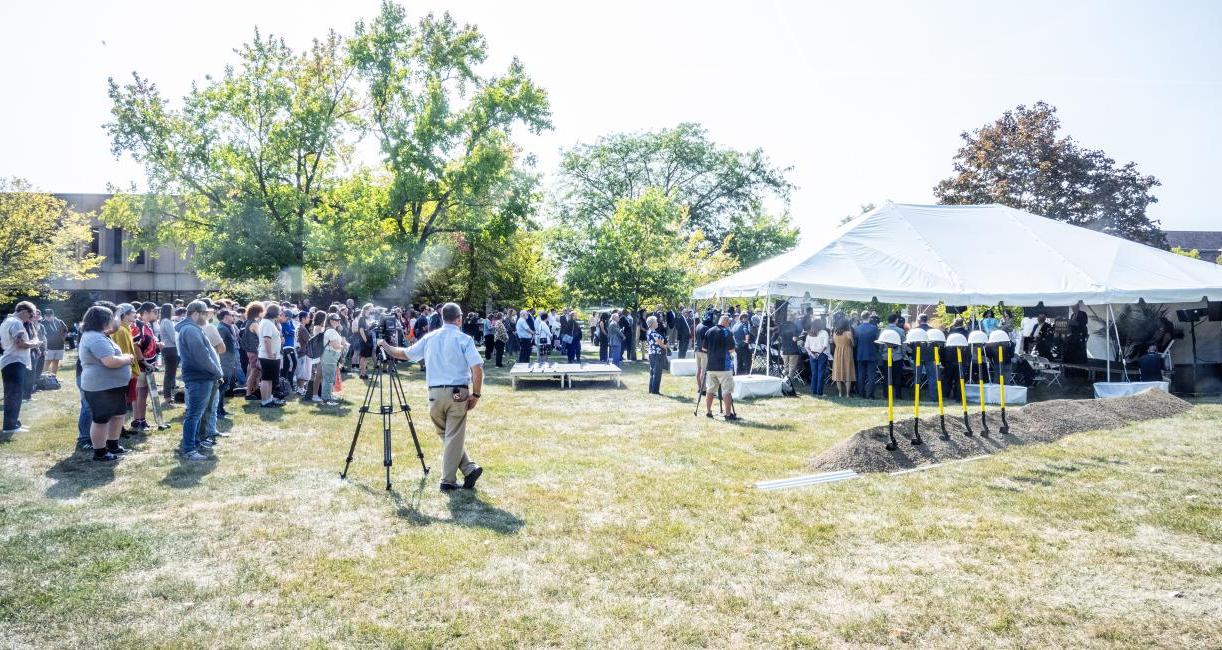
(210, 351)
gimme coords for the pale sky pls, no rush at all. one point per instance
(865, 100)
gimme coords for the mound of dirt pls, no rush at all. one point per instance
(865, 451)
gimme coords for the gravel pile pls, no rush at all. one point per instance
(865, 450)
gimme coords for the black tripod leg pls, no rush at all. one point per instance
(384, 410)
(401, 397)
(357, 433)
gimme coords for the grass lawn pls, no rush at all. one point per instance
(606, 517)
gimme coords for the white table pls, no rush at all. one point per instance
(750, 386)
(992, 394)
(683, 367)
(1105, 389)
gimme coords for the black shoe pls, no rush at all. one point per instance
(140, 426)
(731, 417)
(448, 487)
(468, 481)
(708, 414)
(107, 456)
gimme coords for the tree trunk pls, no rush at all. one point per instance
(408, 280)
(469, 295)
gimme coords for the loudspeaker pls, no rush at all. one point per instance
(1191, 315)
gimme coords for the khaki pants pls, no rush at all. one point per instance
(702, 362)
(792, 362)
(450, 418)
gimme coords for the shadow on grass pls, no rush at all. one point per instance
(77, 473)
(188, 474)
(750, 424)
(466, 510)
(271, 414)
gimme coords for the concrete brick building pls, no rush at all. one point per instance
(160, 278)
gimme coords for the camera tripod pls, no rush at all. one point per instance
(389, 393)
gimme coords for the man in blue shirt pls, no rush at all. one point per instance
(454, 374)
(742, 348)
(1151, 364)
(865, 334)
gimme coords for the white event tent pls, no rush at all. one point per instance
(973, 255)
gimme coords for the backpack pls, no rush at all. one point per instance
(313, 348)
(281, 388)
(144, 338)
(248, 341)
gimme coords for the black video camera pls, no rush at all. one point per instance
(386, 327)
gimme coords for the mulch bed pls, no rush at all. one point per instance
(1039, 422)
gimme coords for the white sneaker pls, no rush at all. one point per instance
(316, 399)
(17, 430)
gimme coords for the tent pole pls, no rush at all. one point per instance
(1124, 366)
(1107, 332)
(768, 329)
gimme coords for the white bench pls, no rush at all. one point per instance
(592, 371)
(532, 370)
(565, 372)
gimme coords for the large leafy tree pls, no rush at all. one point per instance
(1021, 160)
(443, 129)
(240, 167)
(757, 236)
(41, 240)
(715, 184)
(498, 257)
(641, 256)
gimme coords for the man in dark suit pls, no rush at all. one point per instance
(865, 334)
(683, 328)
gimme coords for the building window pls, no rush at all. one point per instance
(95, 241)
(116, 249)
(140, 257)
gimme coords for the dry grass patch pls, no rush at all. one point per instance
(607, 517)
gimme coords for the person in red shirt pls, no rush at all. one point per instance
(147, 349)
